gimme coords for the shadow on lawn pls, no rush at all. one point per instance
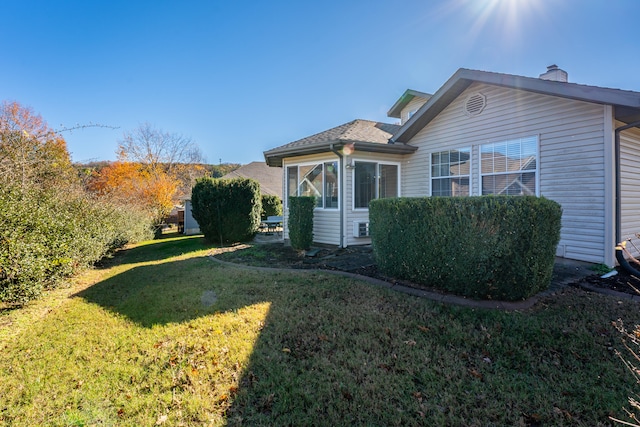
(169, 245)
(150, 295)
(174, 290)
(299, 330)
(325, 352)
(161, 293)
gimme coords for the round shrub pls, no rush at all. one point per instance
(271, 206)
(227, 210)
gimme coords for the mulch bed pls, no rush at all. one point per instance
(359, 260)
(623, 282)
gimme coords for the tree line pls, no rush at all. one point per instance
(57, 217)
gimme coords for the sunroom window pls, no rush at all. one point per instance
(509, 167)
(450, 172)
(331, 185)
(373, 181)
(318, 180)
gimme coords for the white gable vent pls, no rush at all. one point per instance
(474, 104)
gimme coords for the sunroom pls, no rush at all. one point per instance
(343, 168)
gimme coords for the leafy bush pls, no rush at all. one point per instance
(48, 235)
(482, 247)
(227, 210)
(271, 206)
(49, 227)
(300, 221)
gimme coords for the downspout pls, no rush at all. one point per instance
(619, 246)
(341, 195)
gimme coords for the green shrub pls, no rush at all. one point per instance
(46, 236)
(300, 221)
(481, 247)
(227, 210)
(271, 206)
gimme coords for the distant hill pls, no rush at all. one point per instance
(215, 171)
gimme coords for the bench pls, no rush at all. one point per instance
(272, 223)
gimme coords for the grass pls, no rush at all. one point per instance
(161, 335)
(601, 269)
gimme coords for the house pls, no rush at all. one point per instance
(483, 133)
(189, 226)
(270, 180)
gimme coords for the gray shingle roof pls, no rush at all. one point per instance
(270, 179)
(365, 134)
(354, 131)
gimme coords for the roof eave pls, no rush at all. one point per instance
(374, 147)
(429, 110)
(463, 78)
(274, 158)
(396, 110)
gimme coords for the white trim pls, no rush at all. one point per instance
(538, 155)
(377, 163)
(344, 239)
(609, 187)
(320, 161)
(505, 141)
(430, 169)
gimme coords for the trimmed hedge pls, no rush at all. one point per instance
(300, 221)
(227, 210)
(48, 235)
(489, 247)
(271, 206)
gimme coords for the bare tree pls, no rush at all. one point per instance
(158, 149)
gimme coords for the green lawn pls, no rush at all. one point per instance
(162, 335)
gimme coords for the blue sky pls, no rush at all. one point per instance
(243, 77)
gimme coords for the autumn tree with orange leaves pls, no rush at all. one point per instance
(31, 153)
(135, 184)
(154, 168)
(50, 228)
(172, 153)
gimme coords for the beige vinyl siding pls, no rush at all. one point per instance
(326, 222)
(349, 215)
(630, 186)
(326, 226)
(362, 215)
(571, 158)
(412, 105)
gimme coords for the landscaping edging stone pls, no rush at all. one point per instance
(558, 284)
(422, 293)
(609, 292)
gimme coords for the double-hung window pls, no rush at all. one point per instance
(450, 172)
(318, 180)
(509, 167)
(373, 181)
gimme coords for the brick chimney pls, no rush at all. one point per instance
(555, 74)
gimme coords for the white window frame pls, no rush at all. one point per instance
(468, 176)
(377, 186)
(322, 162)
(519, 140)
